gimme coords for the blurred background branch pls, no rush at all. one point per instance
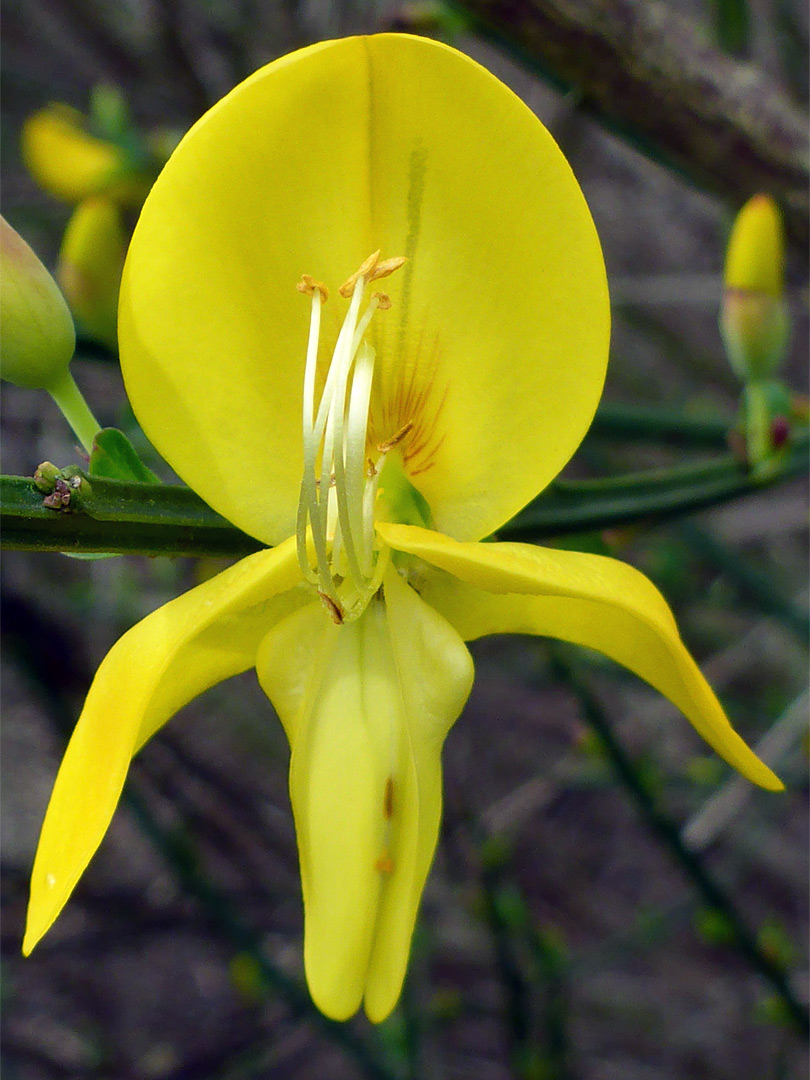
(649, 73)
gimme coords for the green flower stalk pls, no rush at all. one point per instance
(38, 335)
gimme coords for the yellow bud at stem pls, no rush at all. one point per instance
(754, 320)
(38, 338)
(755, 259)
(38, 335)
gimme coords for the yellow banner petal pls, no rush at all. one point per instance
(587, 599)
(189, 644)
(494, 350)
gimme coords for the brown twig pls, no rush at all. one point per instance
(646, 71)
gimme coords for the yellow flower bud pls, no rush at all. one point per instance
(89, 269)
(38, 335)
(755, 259)
(70, 163)
(754, 320)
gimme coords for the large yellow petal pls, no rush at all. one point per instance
(366, 707)
(496, 345)
(189, 644)
(587, 599)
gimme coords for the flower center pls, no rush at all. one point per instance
(339, 486)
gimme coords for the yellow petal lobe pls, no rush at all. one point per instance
(587, 599)
(189, 644)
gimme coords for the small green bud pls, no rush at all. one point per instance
(109, 114)
(38, 335)
(78, 485)
(754, 320)
(46, 476)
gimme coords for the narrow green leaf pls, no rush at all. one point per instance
(114, 457)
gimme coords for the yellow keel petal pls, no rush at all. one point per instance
(591, 600)
(366, 707)
(189, 644)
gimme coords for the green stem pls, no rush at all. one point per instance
(160, 519)
(669, 833)
(75, 409)
(584, 505)
(617, 418)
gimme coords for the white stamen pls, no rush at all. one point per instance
(339, 486)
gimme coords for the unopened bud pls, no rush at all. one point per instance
(755, 257)
(90, 264)
(754, 320)
(46, 476)
(70, 163)
(38, 335)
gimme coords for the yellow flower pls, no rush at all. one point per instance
(90, 263)
(70, 162)
(374, 451)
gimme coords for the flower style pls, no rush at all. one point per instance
(373, 451)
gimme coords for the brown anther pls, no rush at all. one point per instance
(389, 444)
(384, 864)
(371, 468)
(383, 300)
(308, 284)
(334, 609)
(388, 799)
(366, 271)
(386, 267)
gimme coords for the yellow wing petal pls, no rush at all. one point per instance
(587, 599)
(160, 664)
(366, 707)
(495, 348)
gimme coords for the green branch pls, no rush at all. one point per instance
(103, 515)
(586, 505)
(118, 517)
